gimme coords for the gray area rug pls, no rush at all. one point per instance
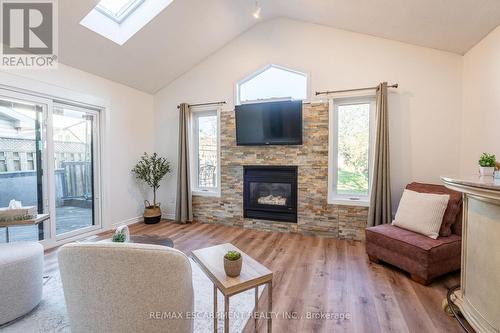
(50, 316)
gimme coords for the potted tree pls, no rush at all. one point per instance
(151, 169)
(487, 163)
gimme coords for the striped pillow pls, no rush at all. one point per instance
(421, 212)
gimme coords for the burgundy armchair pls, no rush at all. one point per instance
(423, 257)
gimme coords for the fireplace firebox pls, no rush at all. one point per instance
(270, 193)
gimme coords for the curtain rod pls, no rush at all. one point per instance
(203, 104)
(357, 89)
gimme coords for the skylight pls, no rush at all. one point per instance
(119, 20)
(118, 10)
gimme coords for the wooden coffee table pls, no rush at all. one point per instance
(253, 275)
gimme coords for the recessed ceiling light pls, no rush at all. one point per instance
(258, 9)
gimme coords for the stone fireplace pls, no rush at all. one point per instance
(314, 214)
(270, 193)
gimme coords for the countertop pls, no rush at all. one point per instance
(484, 182)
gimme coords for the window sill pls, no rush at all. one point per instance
(349, 202)
(200, 193)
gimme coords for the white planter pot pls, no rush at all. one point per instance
(486, 171)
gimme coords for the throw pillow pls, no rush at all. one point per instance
(452, 216)
(421, 212)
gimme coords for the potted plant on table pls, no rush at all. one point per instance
(122, 235)
(232, 263)
(487, 163)
(151, 169)
(119, 237)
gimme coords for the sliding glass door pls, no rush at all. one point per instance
(49, 158)
(22, 161)
(75, 155)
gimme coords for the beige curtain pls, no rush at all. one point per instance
(184, 206)
(380, 211)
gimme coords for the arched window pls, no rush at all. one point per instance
(272, 82)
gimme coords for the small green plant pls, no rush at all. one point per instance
(487, 160)
(119, 237)
(151, 169)
(232, 255)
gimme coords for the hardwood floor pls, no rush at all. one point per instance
(321, 275)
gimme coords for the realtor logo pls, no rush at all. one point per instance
(29, 38)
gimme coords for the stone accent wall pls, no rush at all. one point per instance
(315, 216)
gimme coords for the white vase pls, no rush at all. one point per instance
(486, 171)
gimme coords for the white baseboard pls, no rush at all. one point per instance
(168, 216)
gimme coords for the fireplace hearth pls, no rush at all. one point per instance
(270, 193)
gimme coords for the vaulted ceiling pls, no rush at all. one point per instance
(188, 31)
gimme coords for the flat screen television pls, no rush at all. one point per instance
(272, 123)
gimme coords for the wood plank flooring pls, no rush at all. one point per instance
(315, 275)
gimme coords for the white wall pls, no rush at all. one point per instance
(128, 132)
(425, 121)
(481, 102)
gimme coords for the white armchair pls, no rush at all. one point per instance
(112, 287)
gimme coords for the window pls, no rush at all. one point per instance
(3, 162)
(350, 150)
(205, 148)
(119, 20)
(272, 82)
(118, 10)
(30, 161)
(16, 161)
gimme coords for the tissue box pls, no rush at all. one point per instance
(18, 214)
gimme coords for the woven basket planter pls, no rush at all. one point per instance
(152, 214)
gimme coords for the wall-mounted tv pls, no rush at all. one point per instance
(272, 123)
